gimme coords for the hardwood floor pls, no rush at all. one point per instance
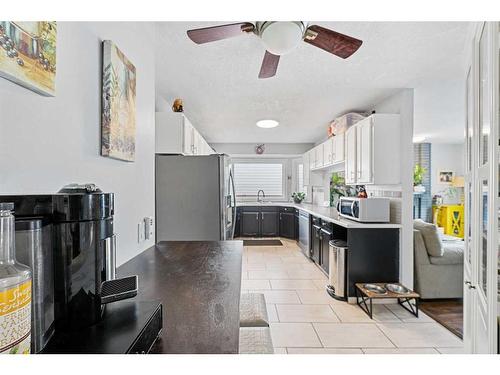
(448, 313)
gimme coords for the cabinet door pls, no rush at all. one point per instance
(269, 224)
(350, 155)
(327, 152)
(188, 137)
(306, 169)
(250, 224)
(287, 224)
(338, 148)
(325, 252)
(319, 156)
(197, 142)
(316, 244)
(365, 148)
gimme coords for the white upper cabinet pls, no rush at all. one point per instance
(306, 169)
(373, 151)
(350, 155)
(189, 137)
(319, 162)
(174, 134)
(338, 148)
(328, 152)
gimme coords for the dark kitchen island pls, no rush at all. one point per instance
(199, 285)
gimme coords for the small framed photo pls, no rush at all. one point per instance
(445, 177)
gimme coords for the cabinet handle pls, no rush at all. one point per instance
(256, 216)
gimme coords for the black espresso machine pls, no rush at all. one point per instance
(68, 241)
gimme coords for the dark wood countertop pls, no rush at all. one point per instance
(199, 284)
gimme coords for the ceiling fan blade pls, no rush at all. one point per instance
(331, 41)
(213, 33)
(269, 65)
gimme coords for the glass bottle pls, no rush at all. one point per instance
(15, 290)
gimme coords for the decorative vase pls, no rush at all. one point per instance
(297, 200)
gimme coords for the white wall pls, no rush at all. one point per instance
(46, 143)
(440, 110)
(402, 103)
(446, 157)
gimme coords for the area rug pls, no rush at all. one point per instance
(262, 243)
(448, 313)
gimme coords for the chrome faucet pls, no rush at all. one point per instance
(258, 196)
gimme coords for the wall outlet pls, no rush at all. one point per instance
(140, 231)
(148, 227)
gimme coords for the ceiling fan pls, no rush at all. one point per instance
(280, 38)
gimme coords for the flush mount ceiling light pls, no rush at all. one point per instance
(418, 139)
(281, 37)
(267, 124)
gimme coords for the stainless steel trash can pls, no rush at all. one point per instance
(338, 269)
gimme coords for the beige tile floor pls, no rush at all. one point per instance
(304, 319)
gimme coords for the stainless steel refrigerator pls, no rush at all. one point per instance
(195, 199)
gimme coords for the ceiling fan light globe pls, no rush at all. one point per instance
(282, 37)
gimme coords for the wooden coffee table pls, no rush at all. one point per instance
(364, 298)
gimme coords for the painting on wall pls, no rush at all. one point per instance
(28, 54)
(445, 177)
(118, 104)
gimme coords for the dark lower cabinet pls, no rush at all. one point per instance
(250, 224)
(325, 236)
(266, 221)
(316, 243)
(287, 224)
(321, 234)
(269, 224)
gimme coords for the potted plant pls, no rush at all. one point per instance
(298, 197)
(418, 178)
(337, 188)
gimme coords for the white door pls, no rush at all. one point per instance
(365, 151)
(350, 155)
(481, 257)
(469, 214)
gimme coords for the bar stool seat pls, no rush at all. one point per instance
(255, 340)
(253, 311)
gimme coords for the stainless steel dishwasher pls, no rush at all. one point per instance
(304, 232)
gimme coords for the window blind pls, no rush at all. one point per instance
(249, 178)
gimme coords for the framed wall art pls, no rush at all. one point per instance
(118, 104)
(28, 54)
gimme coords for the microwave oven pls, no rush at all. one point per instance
(368, 210)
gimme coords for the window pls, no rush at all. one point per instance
(250, 177)
(300, 178)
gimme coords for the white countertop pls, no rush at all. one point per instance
(329, 214)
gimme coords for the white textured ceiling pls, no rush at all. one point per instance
(224, 98)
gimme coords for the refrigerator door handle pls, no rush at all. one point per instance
(231, 179)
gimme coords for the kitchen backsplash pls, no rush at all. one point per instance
(395, 197)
